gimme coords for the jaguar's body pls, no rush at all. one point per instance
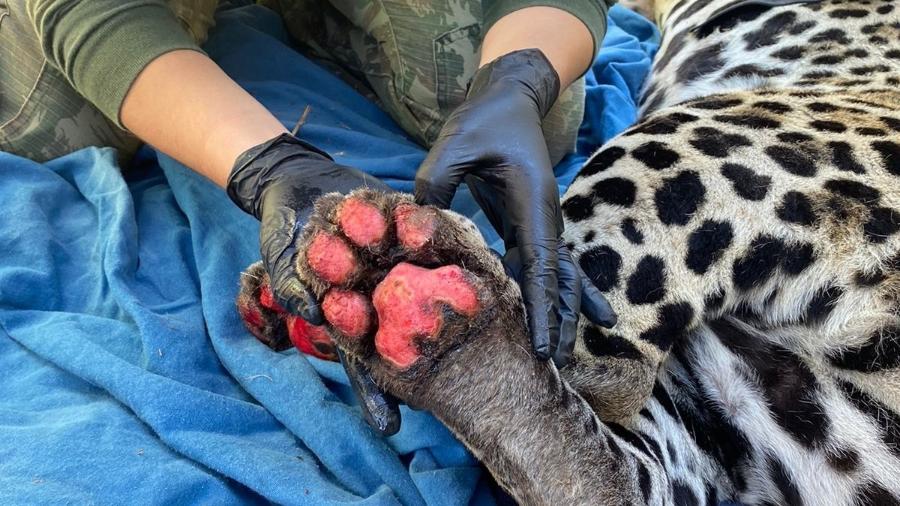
(750, 221)
(747, 232)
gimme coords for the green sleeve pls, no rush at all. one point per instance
(591, 12)
(102, 45)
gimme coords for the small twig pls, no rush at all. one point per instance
(301, 121)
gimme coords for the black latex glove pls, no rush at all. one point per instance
(493, 141)
(277, 182)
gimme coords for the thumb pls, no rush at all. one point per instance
(439, 176)
(277, 238)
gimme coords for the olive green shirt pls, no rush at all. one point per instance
(102, 45)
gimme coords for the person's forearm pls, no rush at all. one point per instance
(563, 38)
(184, 105)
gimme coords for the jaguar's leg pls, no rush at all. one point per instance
(414, 294)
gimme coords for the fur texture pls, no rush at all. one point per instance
(747, 232)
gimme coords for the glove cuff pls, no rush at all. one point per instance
(528, 67)
(253, 168)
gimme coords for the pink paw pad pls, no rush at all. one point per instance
(409, 305)
(310, 339)
(415, 225)
(306, 337)
(349, 312)
(251, 317)
(267, 299)
(331, 258)
(362, 222)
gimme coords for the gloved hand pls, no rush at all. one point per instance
(278, 182)
(494, 142)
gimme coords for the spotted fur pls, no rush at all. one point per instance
(747, 232)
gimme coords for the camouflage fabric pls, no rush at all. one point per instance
(41, 115)
(415, 56)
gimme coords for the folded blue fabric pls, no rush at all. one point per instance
(127, 376)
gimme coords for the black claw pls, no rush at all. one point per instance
(379, 409)
(312, 313)
(542, 352)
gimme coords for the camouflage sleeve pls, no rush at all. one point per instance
(591, 12)
(101, 46)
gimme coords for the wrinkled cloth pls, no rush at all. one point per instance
(127, 376)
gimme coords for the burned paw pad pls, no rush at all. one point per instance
(415, 225)
(412, 303)
(362, 222)
(275, 327)
(331, 258)
(349, 312)
(361, 253)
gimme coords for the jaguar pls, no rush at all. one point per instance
(746, 230)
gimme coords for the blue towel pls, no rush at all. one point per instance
(127, 376)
